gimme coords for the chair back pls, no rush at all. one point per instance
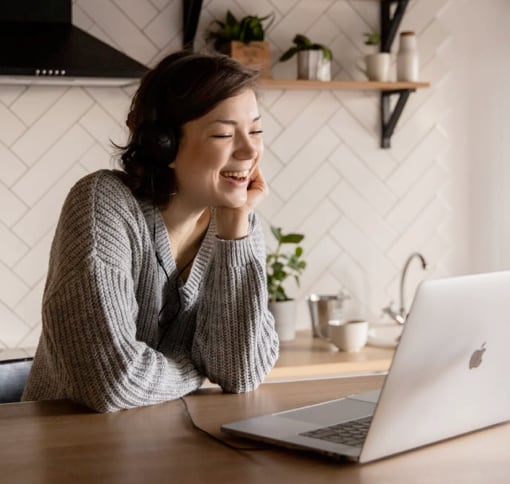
(13, 377)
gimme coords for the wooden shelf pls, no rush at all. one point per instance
(341, 85)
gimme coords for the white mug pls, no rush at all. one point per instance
(350, 336)
(378, 66)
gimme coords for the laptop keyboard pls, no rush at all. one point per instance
(351, 433)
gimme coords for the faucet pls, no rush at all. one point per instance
(401, 315)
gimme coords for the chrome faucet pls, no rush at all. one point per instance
(401, 315)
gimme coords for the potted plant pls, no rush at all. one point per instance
(280, 267)
(244, 39)
(377, 65)
(314, 60)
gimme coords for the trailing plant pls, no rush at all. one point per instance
(302, 42)
(282, 265)
(248, 29)
(372, 38)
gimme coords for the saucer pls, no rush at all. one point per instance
(384, 335)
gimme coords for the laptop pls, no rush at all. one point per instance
(449, 376)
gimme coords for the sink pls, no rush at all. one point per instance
(384, 335)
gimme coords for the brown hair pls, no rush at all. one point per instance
(182, 87)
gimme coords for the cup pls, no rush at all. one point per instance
(350, 336)
(378, 66)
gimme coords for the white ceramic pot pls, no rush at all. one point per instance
(284, 313)
(313, 66)
(378, 66)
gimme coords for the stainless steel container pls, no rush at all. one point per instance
(323, 307)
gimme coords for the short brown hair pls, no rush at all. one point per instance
(182, 87)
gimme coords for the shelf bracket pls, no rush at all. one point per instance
(390, 24)
(389, 119)
(190, 15)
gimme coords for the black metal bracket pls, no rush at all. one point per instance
(389, 119)
(389, 23)
(190, 15)
(389, 27)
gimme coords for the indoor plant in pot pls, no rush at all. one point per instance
(244, 39)
(377, 64)
(281, 266)
(314, 60)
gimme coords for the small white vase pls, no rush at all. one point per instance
(284, 313)
(378, 66)
(313, 66)
(408, 63)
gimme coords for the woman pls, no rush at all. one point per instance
(157, 273)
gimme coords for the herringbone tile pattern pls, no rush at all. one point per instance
(363, 209)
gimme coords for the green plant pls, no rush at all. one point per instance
(302, 42)
(248, 29)
(281, 265)
(372, 38)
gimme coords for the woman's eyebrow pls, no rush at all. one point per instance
(231, 121)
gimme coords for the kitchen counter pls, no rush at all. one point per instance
(307, 357)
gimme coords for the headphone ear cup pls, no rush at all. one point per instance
(168, 144)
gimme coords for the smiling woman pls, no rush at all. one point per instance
(157, 272)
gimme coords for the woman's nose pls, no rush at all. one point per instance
(247, 150)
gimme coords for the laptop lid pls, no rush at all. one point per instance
(448, 376)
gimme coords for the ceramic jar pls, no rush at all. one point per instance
(407, 58)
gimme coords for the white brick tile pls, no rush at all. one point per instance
(115, 101)
(270, 125)
(43, 216)
(161, 4)
(12, 328)
(269, 206)
(303, 128)
(11, 247)
(11, 207)
(35, 101)
(358, 175)
(271, 166)
(430, 40)
(33, 266)
(97, 158)
(12, 166)
(303, 203)
(103, 127)
(29, 308)
(318, 223)
(158, 30)
(417, 163)
(44, 174)
(12, 288)
(305, 163)
(9, 93)
(50, 127)
(291, 104)
(362, 215)
(415, 200)
(141, 12)
(12, 127)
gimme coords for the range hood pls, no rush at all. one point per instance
(39, 45)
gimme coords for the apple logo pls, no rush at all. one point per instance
(476, 358)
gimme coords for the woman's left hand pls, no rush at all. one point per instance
(232, 223)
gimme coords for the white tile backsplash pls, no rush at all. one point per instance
(362, 209)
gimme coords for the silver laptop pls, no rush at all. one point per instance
(449, 376)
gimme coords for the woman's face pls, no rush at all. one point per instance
(218, 152)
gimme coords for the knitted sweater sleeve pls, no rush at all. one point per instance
(235, 342)
(93, 347)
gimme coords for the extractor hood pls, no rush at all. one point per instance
(39, 45)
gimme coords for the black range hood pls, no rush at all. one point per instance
(39, 45)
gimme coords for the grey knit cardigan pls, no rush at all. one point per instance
(119, 327)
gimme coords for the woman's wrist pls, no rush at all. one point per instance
(231, 223)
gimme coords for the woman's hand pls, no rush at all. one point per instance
(232, 223)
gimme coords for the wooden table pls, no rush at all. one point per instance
(308, 357)
(61, 442)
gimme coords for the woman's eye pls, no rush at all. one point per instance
(225, 135)
(258, 131)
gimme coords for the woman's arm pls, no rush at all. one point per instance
(235, 342)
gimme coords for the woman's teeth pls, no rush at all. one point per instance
(238, 175)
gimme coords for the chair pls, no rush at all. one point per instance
(13, 376)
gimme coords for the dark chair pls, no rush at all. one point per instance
(13, 376)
